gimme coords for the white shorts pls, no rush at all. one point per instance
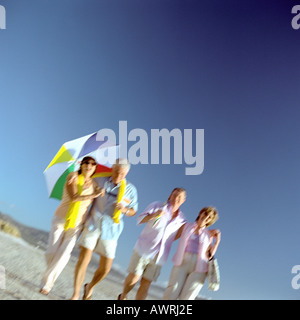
(144, 267)
(91, 240)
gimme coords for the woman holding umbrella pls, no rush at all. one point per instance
(79, 191)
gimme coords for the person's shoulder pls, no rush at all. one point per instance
(130, 187)
(182, 215)
(72, 174)
(71, 177)
(188, 226)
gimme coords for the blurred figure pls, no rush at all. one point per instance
(68, 220)
(194, 250)
(104, 226)
(151, 251)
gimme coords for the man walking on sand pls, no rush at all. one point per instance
(164, 222)
(104, 226)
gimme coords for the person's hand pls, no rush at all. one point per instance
(215, 233)
(99, 192)
(211, 251)
(158, 213)
(119, 206)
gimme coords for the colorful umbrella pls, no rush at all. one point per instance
(68, 159)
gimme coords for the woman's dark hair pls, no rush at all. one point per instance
(86, 160)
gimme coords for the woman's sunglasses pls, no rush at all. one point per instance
(90, 162)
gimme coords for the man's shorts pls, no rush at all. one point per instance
(90, 239)
(144, 267)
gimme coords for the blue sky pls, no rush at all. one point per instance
(70, 68)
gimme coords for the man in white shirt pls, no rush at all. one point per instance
(151, 251)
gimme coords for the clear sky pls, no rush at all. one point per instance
(70, 68)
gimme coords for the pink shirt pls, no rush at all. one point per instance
(158, 235)
(204, 241)
(193, 243)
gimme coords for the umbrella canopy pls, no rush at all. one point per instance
(68, 159)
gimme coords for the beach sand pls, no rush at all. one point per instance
(23, 265)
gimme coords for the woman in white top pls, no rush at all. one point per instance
(79, 189)
(194, 250)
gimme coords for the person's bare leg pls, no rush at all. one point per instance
(129, 283)
(80, 271)
(143, 289)
(103, 270)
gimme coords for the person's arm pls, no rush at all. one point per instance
(97, 189)
(152, 216)
(71, 185)
(150, 210)
(129, 205)
(212, 249)
(129, 212)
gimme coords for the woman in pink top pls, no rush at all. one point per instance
(62, 239)
(194, 250)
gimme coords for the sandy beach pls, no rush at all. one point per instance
(24, 264)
